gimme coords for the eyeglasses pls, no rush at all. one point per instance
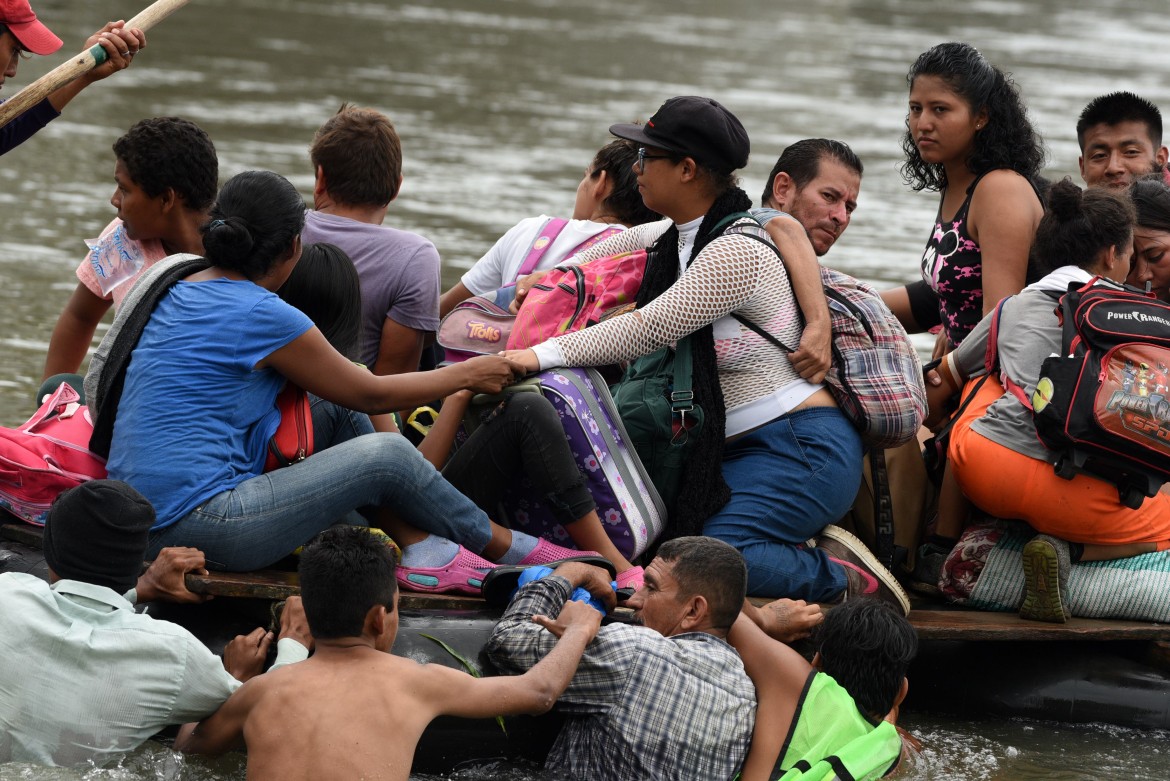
(640, 163)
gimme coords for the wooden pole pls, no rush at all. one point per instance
(81, 64)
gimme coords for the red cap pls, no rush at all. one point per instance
(18, 17)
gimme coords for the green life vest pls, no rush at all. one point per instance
(830, 738)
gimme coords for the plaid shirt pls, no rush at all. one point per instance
(641, 706)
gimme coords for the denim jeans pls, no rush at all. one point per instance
(265, 518)
(789, 479)
(521, 437)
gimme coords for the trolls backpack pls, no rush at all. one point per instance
(570, 297)
(876, 376)
(1103, 404)
(47, 455)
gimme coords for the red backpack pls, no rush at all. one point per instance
(49, 454)
(570, 298)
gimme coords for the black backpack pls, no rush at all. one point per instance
(1103, 404)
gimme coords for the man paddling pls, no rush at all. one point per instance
(23, 35)
(83, 677)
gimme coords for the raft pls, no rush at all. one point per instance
(971, 664)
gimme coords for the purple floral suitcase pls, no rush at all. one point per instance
(627, 502)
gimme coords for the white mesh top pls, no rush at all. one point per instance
(734, 273)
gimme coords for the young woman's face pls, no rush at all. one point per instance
(941, 122)
(1151, 260)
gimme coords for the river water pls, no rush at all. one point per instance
(500, 104)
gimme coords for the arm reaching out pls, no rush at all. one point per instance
(534, 692)
(779, 674)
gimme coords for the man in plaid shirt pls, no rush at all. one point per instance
(666, 700)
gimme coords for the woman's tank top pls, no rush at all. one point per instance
(953, 267)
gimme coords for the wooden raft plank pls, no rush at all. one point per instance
(24, 533)
(274, 584)
(977, 625)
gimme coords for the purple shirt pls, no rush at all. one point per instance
(398, 270)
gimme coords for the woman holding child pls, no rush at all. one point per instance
(777, 460)
(197, 409)
(995, 455)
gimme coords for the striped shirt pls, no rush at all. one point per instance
(641, 705)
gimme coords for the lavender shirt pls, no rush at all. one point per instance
(398, 270)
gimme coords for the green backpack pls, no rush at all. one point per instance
(657, 407)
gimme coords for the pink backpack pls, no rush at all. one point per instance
(570, 298)
(49, 454)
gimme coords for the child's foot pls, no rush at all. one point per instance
(1046, 567)
(546, 552)
(462, 575)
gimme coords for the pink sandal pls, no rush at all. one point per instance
(546, 552)
(462, 575)
(631, 578)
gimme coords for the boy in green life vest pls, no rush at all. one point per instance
(834, 717)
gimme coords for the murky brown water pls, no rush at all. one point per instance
(500, 104)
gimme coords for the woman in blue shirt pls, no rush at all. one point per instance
(198, 409)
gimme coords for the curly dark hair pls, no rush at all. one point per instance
(255, 221)
(1079, 224)
(171, 152)
(1008, 140)
(625, 202)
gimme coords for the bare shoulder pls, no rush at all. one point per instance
(1001, 184)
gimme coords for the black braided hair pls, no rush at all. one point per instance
(703, 491)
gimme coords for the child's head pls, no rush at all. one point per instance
(324, 285)
(170, 153)
(358, 153)
(344, 573)
(1079, 228)
(867, 646)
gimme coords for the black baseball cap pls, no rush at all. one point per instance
(697, 127)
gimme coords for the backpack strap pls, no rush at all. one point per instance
(544, 238)
(759, 330)
(991, 358)
(682, 398)
(595, 239)
(733, 217)
(776, 249)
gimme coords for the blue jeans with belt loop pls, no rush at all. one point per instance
(789, 479)
(266, 517)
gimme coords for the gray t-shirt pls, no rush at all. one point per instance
(398, 271)
(1028, 333)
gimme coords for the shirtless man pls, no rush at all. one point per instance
(1120, 136)
(299, 722)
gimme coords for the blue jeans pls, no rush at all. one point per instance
(789, 479)
(265, 518)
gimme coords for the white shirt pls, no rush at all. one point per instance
(83, 676)
(502, 262)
